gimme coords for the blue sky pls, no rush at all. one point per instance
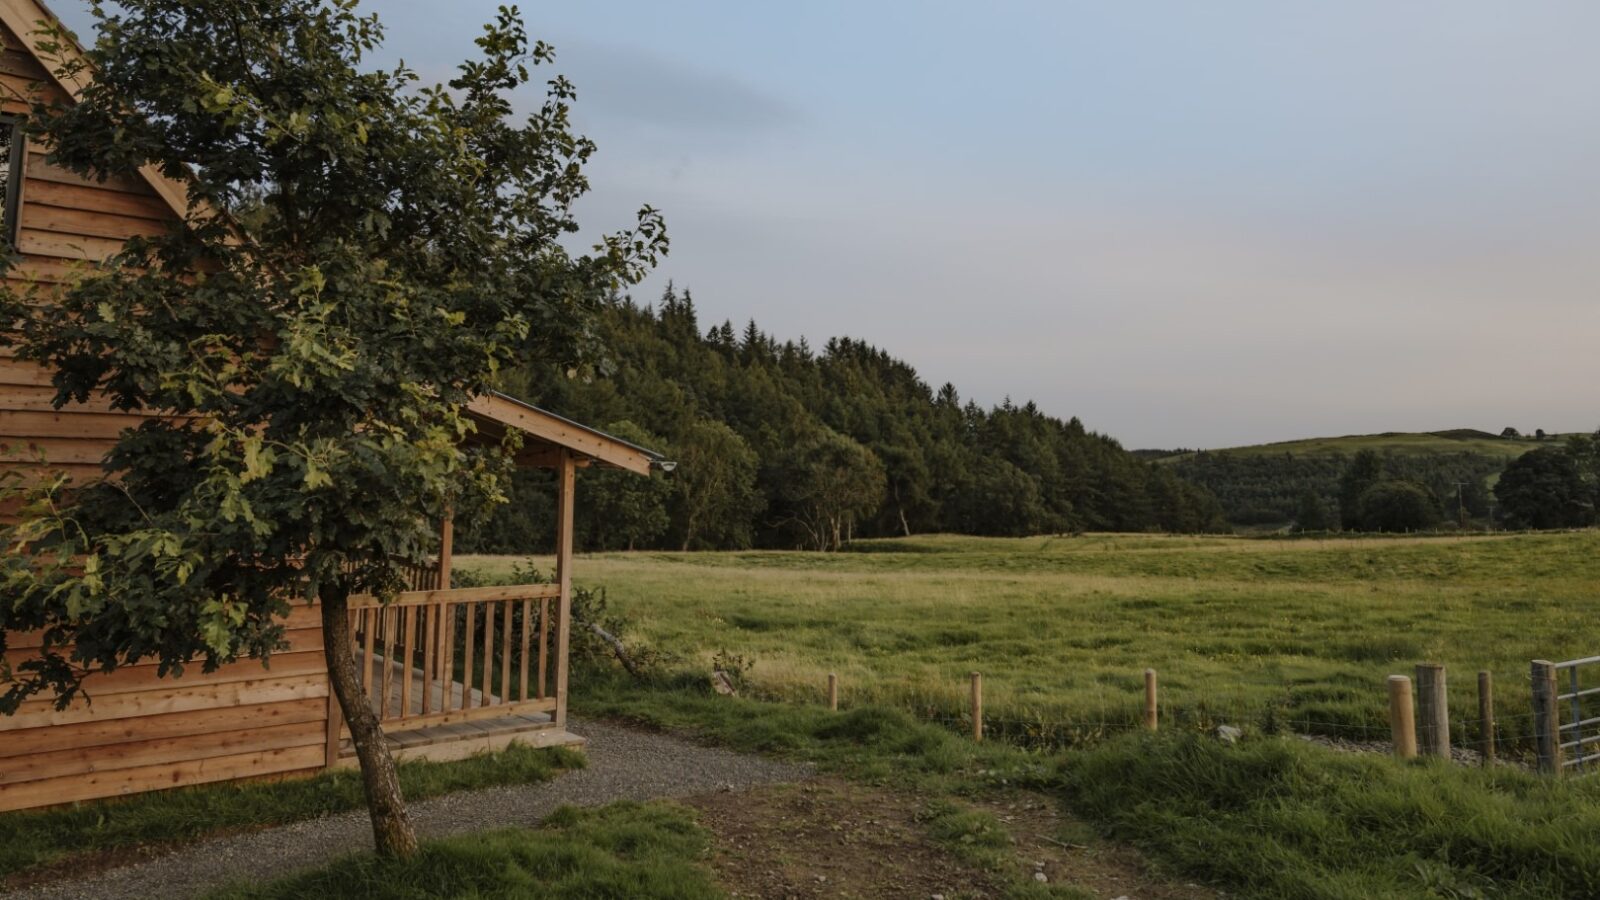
(1189, 224)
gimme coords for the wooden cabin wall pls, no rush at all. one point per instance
(135, 732)
(138, 732)
(63, 221)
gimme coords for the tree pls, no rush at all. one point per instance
(830, 483)
(1510, 432)
(1396, 505)
(1364, 471)
(361, 256)
(622, 511)
(1545, 488)
(715, 487)
(1000, 499)
(1313, 513)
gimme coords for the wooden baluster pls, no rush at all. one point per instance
(407, 654)
(544, 642)
(368, 625)
(488, 654)
(430, 626)
(505, 653)
(527, 633)
(466, 659)
(388, 661)
(447, 654)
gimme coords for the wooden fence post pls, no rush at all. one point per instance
(1401, 724)
(977, 706)
(833, 691)
(1486, 716)
(1433, 711)
(1151, 713)
(1546, 718)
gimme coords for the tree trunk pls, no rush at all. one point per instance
(392, 833)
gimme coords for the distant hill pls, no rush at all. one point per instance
(1262, 485)
(1455, 440)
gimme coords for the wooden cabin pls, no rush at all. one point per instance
(450, 671)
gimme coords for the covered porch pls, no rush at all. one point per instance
(455, 671)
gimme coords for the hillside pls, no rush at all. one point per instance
(1264, 484)
(781, 445)
(1458, 440)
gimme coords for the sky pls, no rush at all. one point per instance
(1190, 225)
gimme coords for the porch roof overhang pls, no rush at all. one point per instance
(546, 435)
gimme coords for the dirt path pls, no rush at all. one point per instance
(624, 764)
(825, 838)
(778, 831)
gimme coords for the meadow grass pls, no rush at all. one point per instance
(1295, 634)
(30, 839)
(1280, 818)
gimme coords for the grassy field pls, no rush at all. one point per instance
(1400, 443)
(1273, 634)
(1259, 632)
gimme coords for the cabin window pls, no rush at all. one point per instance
(11, 150)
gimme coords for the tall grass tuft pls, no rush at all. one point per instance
(1277, 818)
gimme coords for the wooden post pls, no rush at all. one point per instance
(977, 706)
(1151, 712)
(1486, 716)
(447, 542)
(1402, 725)
(833, 691)
(1433, 711)
(1546, 719)
(566, 482)
(447, 615)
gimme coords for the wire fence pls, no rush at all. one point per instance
(1515, 733)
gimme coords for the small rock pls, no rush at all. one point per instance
(1040, 877)
(1227, 734)
(722, 684)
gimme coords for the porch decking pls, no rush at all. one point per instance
(458, 740)
(449, 740)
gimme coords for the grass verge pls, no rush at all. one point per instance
(52, 837)
(622, 850)
(1279, 818)
(1270, 817)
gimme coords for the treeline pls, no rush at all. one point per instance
(1262, 490)
(779, 445)
(1553, 487)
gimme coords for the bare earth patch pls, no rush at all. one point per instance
(836, 839)
(1071, 854)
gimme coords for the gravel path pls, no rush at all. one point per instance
(624, 764)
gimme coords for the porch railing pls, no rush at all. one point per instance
(434, 657)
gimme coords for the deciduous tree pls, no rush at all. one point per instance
(362, 255)
(1545, 488)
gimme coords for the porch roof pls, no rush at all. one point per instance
(545, 434)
